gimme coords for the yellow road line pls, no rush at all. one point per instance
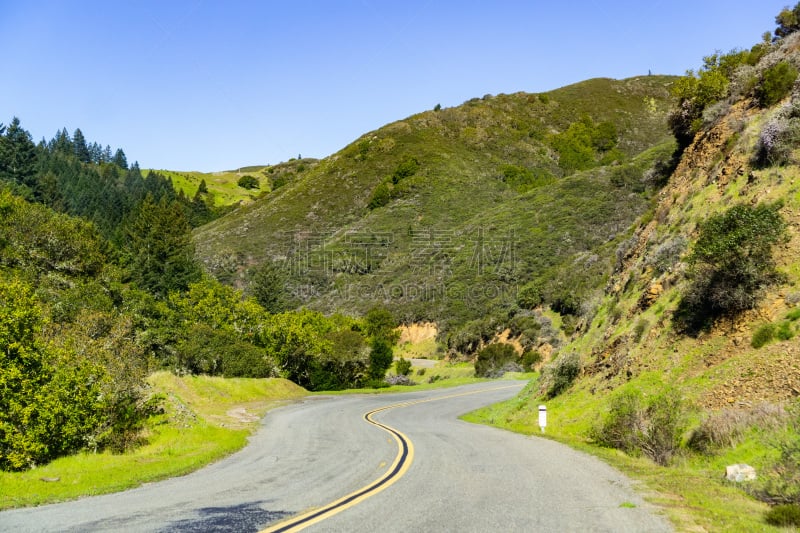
(400, 465)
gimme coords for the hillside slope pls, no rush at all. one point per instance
(732, 379)
(489, 195)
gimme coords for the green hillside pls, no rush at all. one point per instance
(224, 188)
(493, 194)
(691, 361)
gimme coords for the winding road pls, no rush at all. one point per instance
(401, 462)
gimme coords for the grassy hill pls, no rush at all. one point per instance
(446, 214)
(223, 186)
(727, 386)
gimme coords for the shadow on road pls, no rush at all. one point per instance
(243, 517)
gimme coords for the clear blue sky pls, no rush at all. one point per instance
(201, 85)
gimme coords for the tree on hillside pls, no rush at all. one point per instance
(61, 143)
(788, 21)
(49, 407)
(120, 160)
(380, 323)
(268, 286)
(17, 155)
(161, 248)
(248, 182)
(380, 357)
(81, 148)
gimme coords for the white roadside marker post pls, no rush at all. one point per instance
(542, 417)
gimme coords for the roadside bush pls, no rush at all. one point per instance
(786, 515)
(776, 82)
(493, 358)
(561, 373)
(222, 353)
(654, 429)
(731, 264)
(402, 367)
(52, 402)
(380, 358)
(780, 482)
(530, 358)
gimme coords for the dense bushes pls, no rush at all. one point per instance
(776, 82)
(585, 144)
(559, 375)
(496, 359)
(778, 139)
(248, 182)
(731, 264)
(52, 402)
(780, 482)
(653, 428)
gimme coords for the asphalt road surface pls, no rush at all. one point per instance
(423, 470)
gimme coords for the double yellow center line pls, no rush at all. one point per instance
(402, 462)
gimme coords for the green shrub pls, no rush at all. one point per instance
(402, 367)
(731, 264)
(494, 360)
(248, 182)
(530, 295)
(788, 21)
(793, 315)
(380, 196)
(624, 423)
(562, 373)
(380, 358)
(786, 515)
(763, 335)
(776, 82)
(785, 331)
(531, 358)
(638, 330)
(780, 482)
(54, 402)
(407, 168)
(654, 429)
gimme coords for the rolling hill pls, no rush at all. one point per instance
(446, 214)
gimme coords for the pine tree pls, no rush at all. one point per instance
(80, 147)
(62, 143)
(17, 156)
(120, 160)
(161, 248)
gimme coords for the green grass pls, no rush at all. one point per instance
(222, 185)
(221, 414)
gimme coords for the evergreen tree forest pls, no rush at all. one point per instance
(99, 287)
